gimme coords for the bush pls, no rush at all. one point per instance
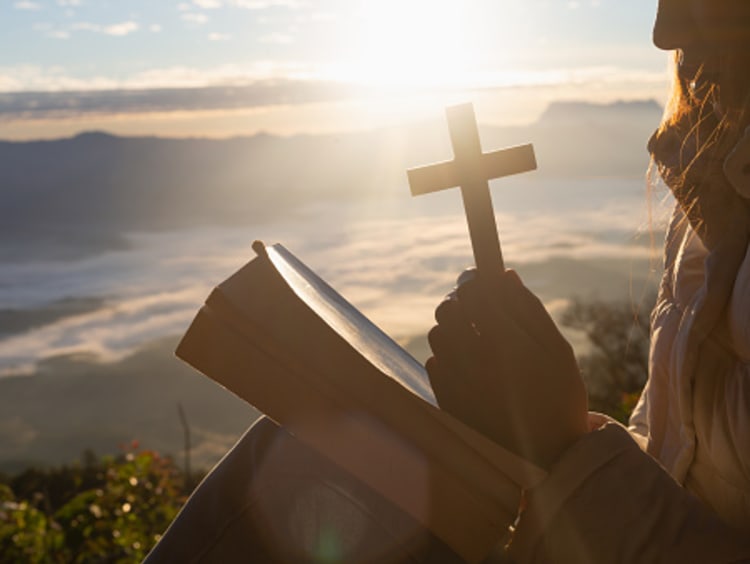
(616, 367)
(134, 498)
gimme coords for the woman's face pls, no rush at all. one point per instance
(702, 30)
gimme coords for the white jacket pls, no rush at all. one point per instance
(694, 415)
(606, 500)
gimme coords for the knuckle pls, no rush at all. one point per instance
(443, 310)
(434, 336)
(466, 276)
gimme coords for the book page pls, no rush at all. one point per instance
(363, 335)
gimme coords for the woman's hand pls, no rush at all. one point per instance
(501, 366)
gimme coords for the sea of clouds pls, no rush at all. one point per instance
(393, 258)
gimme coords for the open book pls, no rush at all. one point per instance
(280, 338)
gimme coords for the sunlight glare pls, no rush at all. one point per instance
(423, 43)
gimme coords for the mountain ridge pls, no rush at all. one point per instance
(79, 196)
(91, 189)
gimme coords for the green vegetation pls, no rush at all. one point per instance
(101, 510)
(616, 366)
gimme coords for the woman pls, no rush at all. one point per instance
(501, 365)
(694, 414)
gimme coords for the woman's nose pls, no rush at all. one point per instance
(674, 27)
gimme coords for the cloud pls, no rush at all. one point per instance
(394, 264)
(276, 38)
(115, 30)
(194, 18)
(219, 36)
(27, 5)
(69, 2)
(266, 4)
(192, 97)
(319, 17)
(33, 92)
(110, 333)
(121, 29)
(30, 95)
(54, 32)
(154, 28)
(86, 26)
(208, 4)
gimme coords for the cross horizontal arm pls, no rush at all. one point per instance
(432, 178)
(507, 162)
(471, 169)
(441, 176)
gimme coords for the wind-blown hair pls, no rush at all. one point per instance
(703, 119)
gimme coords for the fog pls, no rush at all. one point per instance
(110, 245)
(393, 259)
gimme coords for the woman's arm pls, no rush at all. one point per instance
(501, 365)
(605, 500)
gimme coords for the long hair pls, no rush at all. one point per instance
(703, 119)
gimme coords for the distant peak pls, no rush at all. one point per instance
(572, 111)
(94, 136)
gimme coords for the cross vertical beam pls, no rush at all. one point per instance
(471, 170)
(475, 190)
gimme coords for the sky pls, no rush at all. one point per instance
(204, 67)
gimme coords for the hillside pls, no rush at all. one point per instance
(75, 403)
(80, 195)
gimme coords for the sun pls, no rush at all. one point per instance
(412, 43)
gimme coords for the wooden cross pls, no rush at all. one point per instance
(471, 170)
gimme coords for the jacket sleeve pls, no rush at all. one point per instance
(606, 500)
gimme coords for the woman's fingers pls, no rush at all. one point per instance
(459, 368)
(445, 385)
(454, 376)
(465, 276)
(507, 306)
(487, 311)
(501, 366)
(453, 344)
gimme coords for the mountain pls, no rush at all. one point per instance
(579, 139)
(70, 197)
(75, 403)
(76, 197)
(584, 112)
